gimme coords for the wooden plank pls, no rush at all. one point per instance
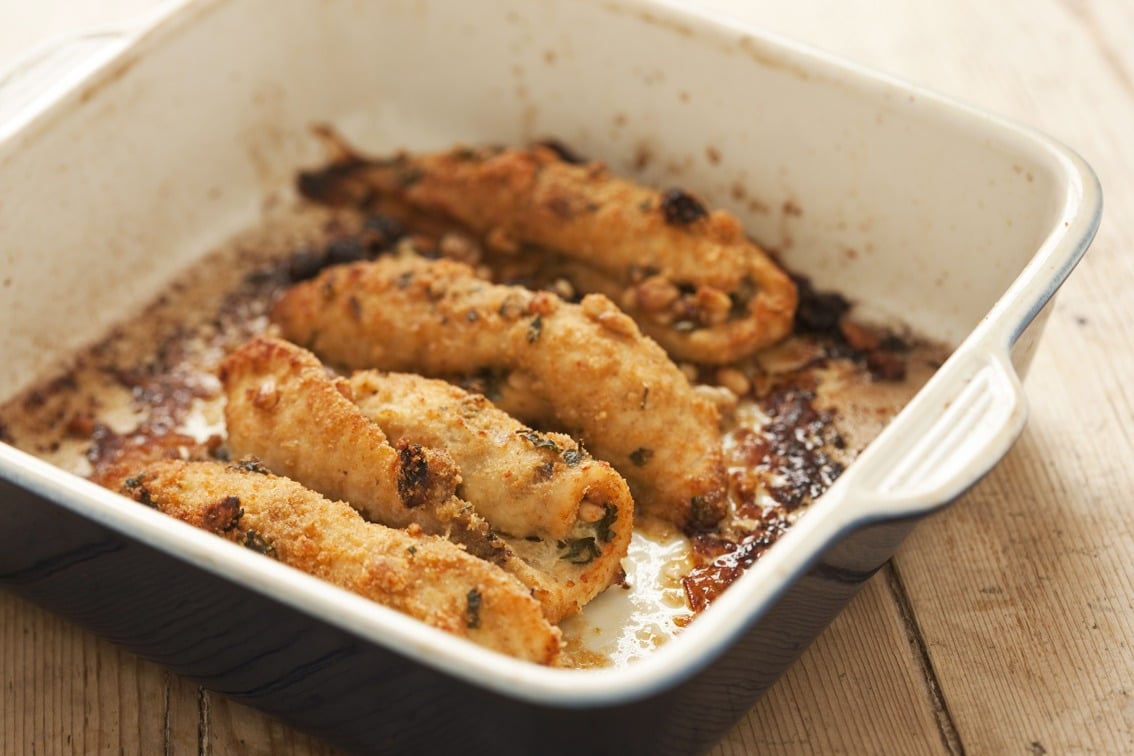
(861, 683)
(67, 692)
(1020, 595)
(234, 727)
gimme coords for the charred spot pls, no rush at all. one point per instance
(38, 397)
(562, 151)
(886, 357)
(797, 444)
(305, 264)
(641, 456)
(818, 311)
(333, 185)
(223, 515)
(705, 583)
(377, 234)
(882, 354)
(344, 250)
(886, 365)
(465, 153)
(413, 474)
(680, 208)
(263, 278)
(381, 231)
(705, 512)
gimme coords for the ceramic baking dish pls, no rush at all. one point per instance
(126, 154)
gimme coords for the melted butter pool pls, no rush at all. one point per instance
(630, 621)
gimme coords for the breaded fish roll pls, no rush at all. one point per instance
(689, 276)
(284, 408)
(566, 559)
(585, 369)
(525, 483)
(563, 512)
(423, 576)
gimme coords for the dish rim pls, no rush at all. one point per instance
(831, 518)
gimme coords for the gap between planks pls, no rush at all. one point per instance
(946, 727)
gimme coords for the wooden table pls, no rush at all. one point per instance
(1002, 626)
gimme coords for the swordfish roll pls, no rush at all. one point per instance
(286, 410)
(562, 512)
(424, 576)
(584, 369)
(688, 275)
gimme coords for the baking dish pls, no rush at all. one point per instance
(937, 216)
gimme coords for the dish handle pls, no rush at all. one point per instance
(957, 428)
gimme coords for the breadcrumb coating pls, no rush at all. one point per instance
(688, 275)
(584, 369)
(423, 576)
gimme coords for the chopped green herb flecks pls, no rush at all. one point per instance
(250, 465)
(535, 328)
(258, 543)
(136, 489)
(538, 440)
(472, 608)
(580, 550)
(572, 457)
(603, 527)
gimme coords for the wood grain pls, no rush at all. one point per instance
(1003, 625)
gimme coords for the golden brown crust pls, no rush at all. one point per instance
(689, 276)
(423, 576)
(566, 514)
(300, 420)
(285, 409)
(582, 368)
